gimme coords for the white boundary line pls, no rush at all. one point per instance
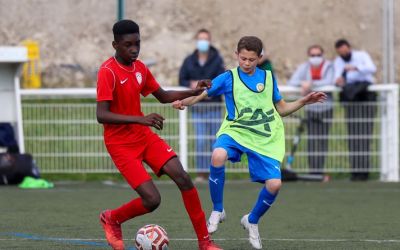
(234, 239)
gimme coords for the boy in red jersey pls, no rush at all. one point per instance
(130, 142)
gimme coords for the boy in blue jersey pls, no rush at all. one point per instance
(252, 131)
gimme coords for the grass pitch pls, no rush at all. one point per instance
(336, 215)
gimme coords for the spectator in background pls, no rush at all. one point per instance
(354, 72)
(265, 63)
(316, 72)
(204, 63)
(7, 138)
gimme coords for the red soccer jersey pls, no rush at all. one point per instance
(122, 86)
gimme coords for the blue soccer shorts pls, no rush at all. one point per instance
(261, 167)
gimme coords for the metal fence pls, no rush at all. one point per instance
(62, 133)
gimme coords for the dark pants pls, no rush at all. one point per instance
(206, 125)
(318, 129)
(358, 128)
(359, 114)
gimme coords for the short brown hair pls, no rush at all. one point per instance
(250, 43)
(203, 30)
(315, 46)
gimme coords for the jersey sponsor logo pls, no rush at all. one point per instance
(169, 150)
(123, 81)
(257, 117)
(215, 181)
(260, 87)
(139, 77)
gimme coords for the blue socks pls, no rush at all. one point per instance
(264, 202)
(216, 183)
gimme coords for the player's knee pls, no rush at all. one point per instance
(273, 186)
(219, 157)
(152, 202)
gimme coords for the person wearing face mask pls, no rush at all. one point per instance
(354, 72)
(316, 72)
(204, 63)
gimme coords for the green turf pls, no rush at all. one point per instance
(336, 215)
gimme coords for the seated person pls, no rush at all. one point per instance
(14, 167)
(7, 138)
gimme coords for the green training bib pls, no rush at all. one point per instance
(257, 125)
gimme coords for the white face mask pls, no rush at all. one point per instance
(316, 60)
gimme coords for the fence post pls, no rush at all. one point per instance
(390, 136)
(393, 115)
(183, 138)
(384, 135)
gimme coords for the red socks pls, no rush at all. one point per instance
(196, 213)
(192, 204)
(128, 211)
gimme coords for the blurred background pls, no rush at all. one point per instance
(75, 36)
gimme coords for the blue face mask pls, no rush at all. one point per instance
(203, 45)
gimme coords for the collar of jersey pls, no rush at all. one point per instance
(125, 67)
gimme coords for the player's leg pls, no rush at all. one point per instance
(173, 168)
(266, 198)
(266, 170)
(131, 167)
(148, 201)
(162, 160)
(224, 148)
(111, 220)
(216, 182)
(217, 178)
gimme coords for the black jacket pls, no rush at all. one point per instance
(192, 70)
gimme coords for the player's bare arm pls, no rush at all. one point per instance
(168, 96)
(287, 108)
(104, 115)
(181, 104)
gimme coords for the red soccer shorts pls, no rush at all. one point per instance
(129, 158)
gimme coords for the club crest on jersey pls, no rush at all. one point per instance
(139, 77)
(260, 87)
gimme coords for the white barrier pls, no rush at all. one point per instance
(63, 135)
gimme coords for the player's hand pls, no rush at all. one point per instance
(154, 120)
(204, 84)
(201, 86)
(178, 104)
(314, 97)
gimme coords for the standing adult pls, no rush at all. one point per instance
(204, 63)
(317, 71)
(354, 72)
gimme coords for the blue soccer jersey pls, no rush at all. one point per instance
(222, 85)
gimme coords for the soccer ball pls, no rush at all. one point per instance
(151, 237)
